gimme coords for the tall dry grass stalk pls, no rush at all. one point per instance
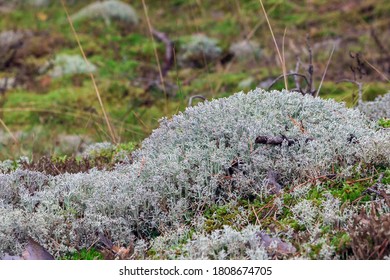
(326, 70)
(281, 59)
(108, 123)
(155, 51)
(8, 131)
(377, 70)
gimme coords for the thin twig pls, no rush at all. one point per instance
(326, 69)
(110, 128)
(287, 75)
(310, 70)
(359, 180)
(296, 79)
(194, 97)
(168, 50)
(257, 218)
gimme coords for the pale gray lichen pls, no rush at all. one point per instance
(65, 64)
(107, 10)
(199, 50)
(226, 244)
(377, 109)
(204, 156)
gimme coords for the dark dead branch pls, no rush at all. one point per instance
(310, 69)
(278, 140)
(194, 97)
(296, 77)
(169, 50)
(288, 75)
(359, 68)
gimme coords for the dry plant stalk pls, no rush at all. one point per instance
(154, 47)
(110, 128)
(377, 70)
(326, 70)
(281, 59)
(9, 131)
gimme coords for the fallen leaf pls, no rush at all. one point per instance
(33, 251)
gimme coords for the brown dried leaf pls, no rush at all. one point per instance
(33, 251)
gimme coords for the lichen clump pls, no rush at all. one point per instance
(210, 154)
(107, 10)
(65, 64)
(377, 109)
(199, 51)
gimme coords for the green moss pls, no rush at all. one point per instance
(84, 254)
(126, 147)
(349, 192)
(315, 250)
(341, 241)
(386, 177)
(384, 123)
(218, 216)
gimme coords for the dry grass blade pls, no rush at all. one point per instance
(9, 131)
(326, 69)
(284, 57)
(276, 45)
(254, 29)
(377, 70)
(154, 47)
(110, 128)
